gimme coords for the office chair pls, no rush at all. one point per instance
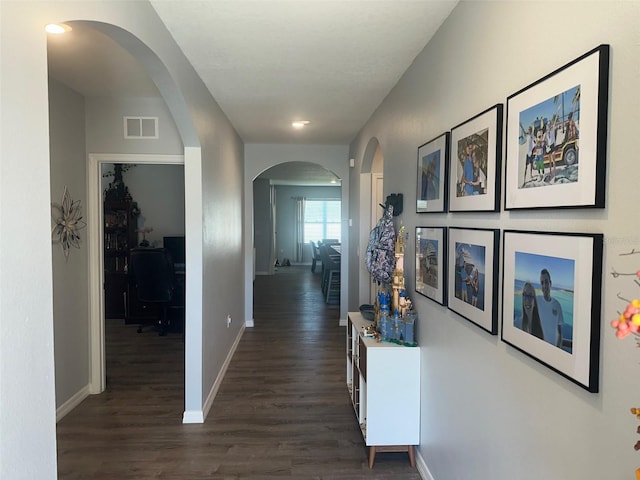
(155, 281)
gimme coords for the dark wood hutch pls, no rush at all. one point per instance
(120, 236)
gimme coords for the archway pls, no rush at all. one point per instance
(174, 100)
(258, 159)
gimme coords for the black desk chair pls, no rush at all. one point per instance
(154, 279)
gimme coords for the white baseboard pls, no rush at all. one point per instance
(423, 470)
(249, 323)
(72, 403)
(343, 322)
(192, 416)
(198, 417)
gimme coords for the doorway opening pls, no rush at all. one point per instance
(285, 198)
(99, 165)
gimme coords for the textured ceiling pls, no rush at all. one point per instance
(270, 62)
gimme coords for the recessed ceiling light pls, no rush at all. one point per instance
(57, 28)
(300, 123)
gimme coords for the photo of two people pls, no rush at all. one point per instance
(543, 298)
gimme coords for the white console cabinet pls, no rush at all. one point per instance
(384, 384)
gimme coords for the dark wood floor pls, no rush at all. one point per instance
(282, 410)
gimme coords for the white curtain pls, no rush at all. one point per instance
(272, 236)
(299, 229)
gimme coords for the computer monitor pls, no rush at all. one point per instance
(175, 246)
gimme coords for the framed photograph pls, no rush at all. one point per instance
(551, 300)
(473, 263)
(557, 137)
(475, 163)
(433, 159)
(431, 269)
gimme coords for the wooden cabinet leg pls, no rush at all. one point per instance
(372, 456)
(412, 456)
(392, 448)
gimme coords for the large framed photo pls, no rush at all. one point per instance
(475, 163)
(433, 158)
(473, 263)
(431, 268)
(551, 300)
(557, 135)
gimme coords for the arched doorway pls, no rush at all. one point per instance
(261, 157)
(149, 65)
(279, 196)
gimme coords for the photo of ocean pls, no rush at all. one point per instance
(528, 268)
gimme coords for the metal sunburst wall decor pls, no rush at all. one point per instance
(67, 217)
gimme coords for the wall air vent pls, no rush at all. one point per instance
(141, 127)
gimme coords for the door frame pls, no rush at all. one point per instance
(371, 196)
(95, 214)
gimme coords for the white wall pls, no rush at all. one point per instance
(487, 411)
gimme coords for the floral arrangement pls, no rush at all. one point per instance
(628, 323)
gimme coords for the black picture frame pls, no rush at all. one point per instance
(433, 165)
(546, 273)
(559, 122)
(473, 252)
(478, 139)
(431, 263)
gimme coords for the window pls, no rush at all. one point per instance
(321, 219)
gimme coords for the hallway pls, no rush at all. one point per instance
(282, 410)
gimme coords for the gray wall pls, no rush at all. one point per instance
(70, 286)
(488, 411)
(262, 226)
(105, 127)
